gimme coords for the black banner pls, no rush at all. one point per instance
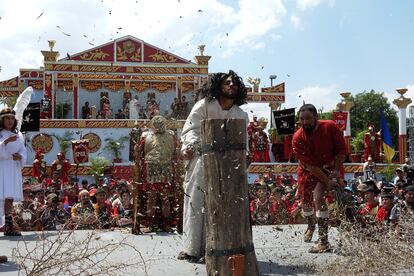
(31, 118)
(285, 121)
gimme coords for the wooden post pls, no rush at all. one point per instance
(228, 231)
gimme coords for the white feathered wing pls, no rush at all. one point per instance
(21, 103)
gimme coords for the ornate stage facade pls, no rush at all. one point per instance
(116, 73)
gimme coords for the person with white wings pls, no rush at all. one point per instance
(12, 159)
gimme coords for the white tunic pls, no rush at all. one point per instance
(194, 185)
(11, 170)
(133, 109)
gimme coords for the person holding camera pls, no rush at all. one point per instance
(54, 215)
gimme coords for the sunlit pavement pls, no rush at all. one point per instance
(278, 252)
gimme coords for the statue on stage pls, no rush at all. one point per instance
(134, 108)
(86, 111)
(106, 111)
(39, 169)
(157, 156)
(372, 144)
(369, 169)
(134, 137)
(260, 143)
(60, 168)
(153, 107)
(251, 129)
(175, 108)
(183, 108)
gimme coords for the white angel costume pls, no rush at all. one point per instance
(11, 184)
(194, 185)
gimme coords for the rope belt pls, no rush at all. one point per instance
(228, 252)
(217, 147)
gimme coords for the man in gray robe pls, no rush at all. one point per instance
(224, 94)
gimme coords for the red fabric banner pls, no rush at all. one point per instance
(80, 149)
(340, 119)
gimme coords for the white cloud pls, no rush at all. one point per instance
(177, 26)
(306, 4)
(322, 97)
(295, 21)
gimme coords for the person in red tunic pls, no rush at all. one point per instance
(320, 148)
(39, 169)
(372, 144)
(260, 146)
(61, 166)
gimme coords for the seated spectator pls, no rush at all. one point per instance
(83, 213)
(123, 213)
(387, 214)
(70, 197)
(103, 209)
(84, 185)
(400, 176)
(409, 198)
(24, 210)
(370, 207)
(54, 215)
(122, 186)
(38, 205)
(260, 207)
(279, 209)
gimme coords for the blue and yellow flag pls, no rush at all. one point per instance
(387, 144)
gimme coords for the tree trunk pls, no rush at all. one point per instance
(228, 229)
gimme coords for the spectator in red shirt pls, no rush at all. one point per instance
(320, 148)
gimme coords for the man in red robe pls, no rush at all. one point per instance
(260, 146)
(320, 148)
(372, 144)
(39, 169)
(60, 168)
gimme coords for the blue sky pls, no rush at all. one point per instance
(326, 46)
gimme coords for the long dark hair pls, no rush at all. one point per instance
(215, 82)
(6, 111)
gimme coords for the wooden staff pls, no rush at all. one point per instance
(135, 193)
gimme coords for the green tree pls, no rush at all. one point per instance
(367, 108)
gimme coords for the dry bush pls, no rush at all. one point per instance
(374, 249)
(74, 253)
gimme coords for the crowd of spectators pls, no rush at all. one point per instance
(273, 200)
(86, 206)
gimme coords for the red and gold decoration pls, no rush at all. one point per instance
(188, 87)
(162, 86)
(139, 86)
(91, 85)
(9, 88)
(42, 142)
(279, 88)
(155, 55)
(95, 141)
(340, 119)
(128, 50)
(114, 85)
(65, 85)
(36, 84)
(80, 149)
